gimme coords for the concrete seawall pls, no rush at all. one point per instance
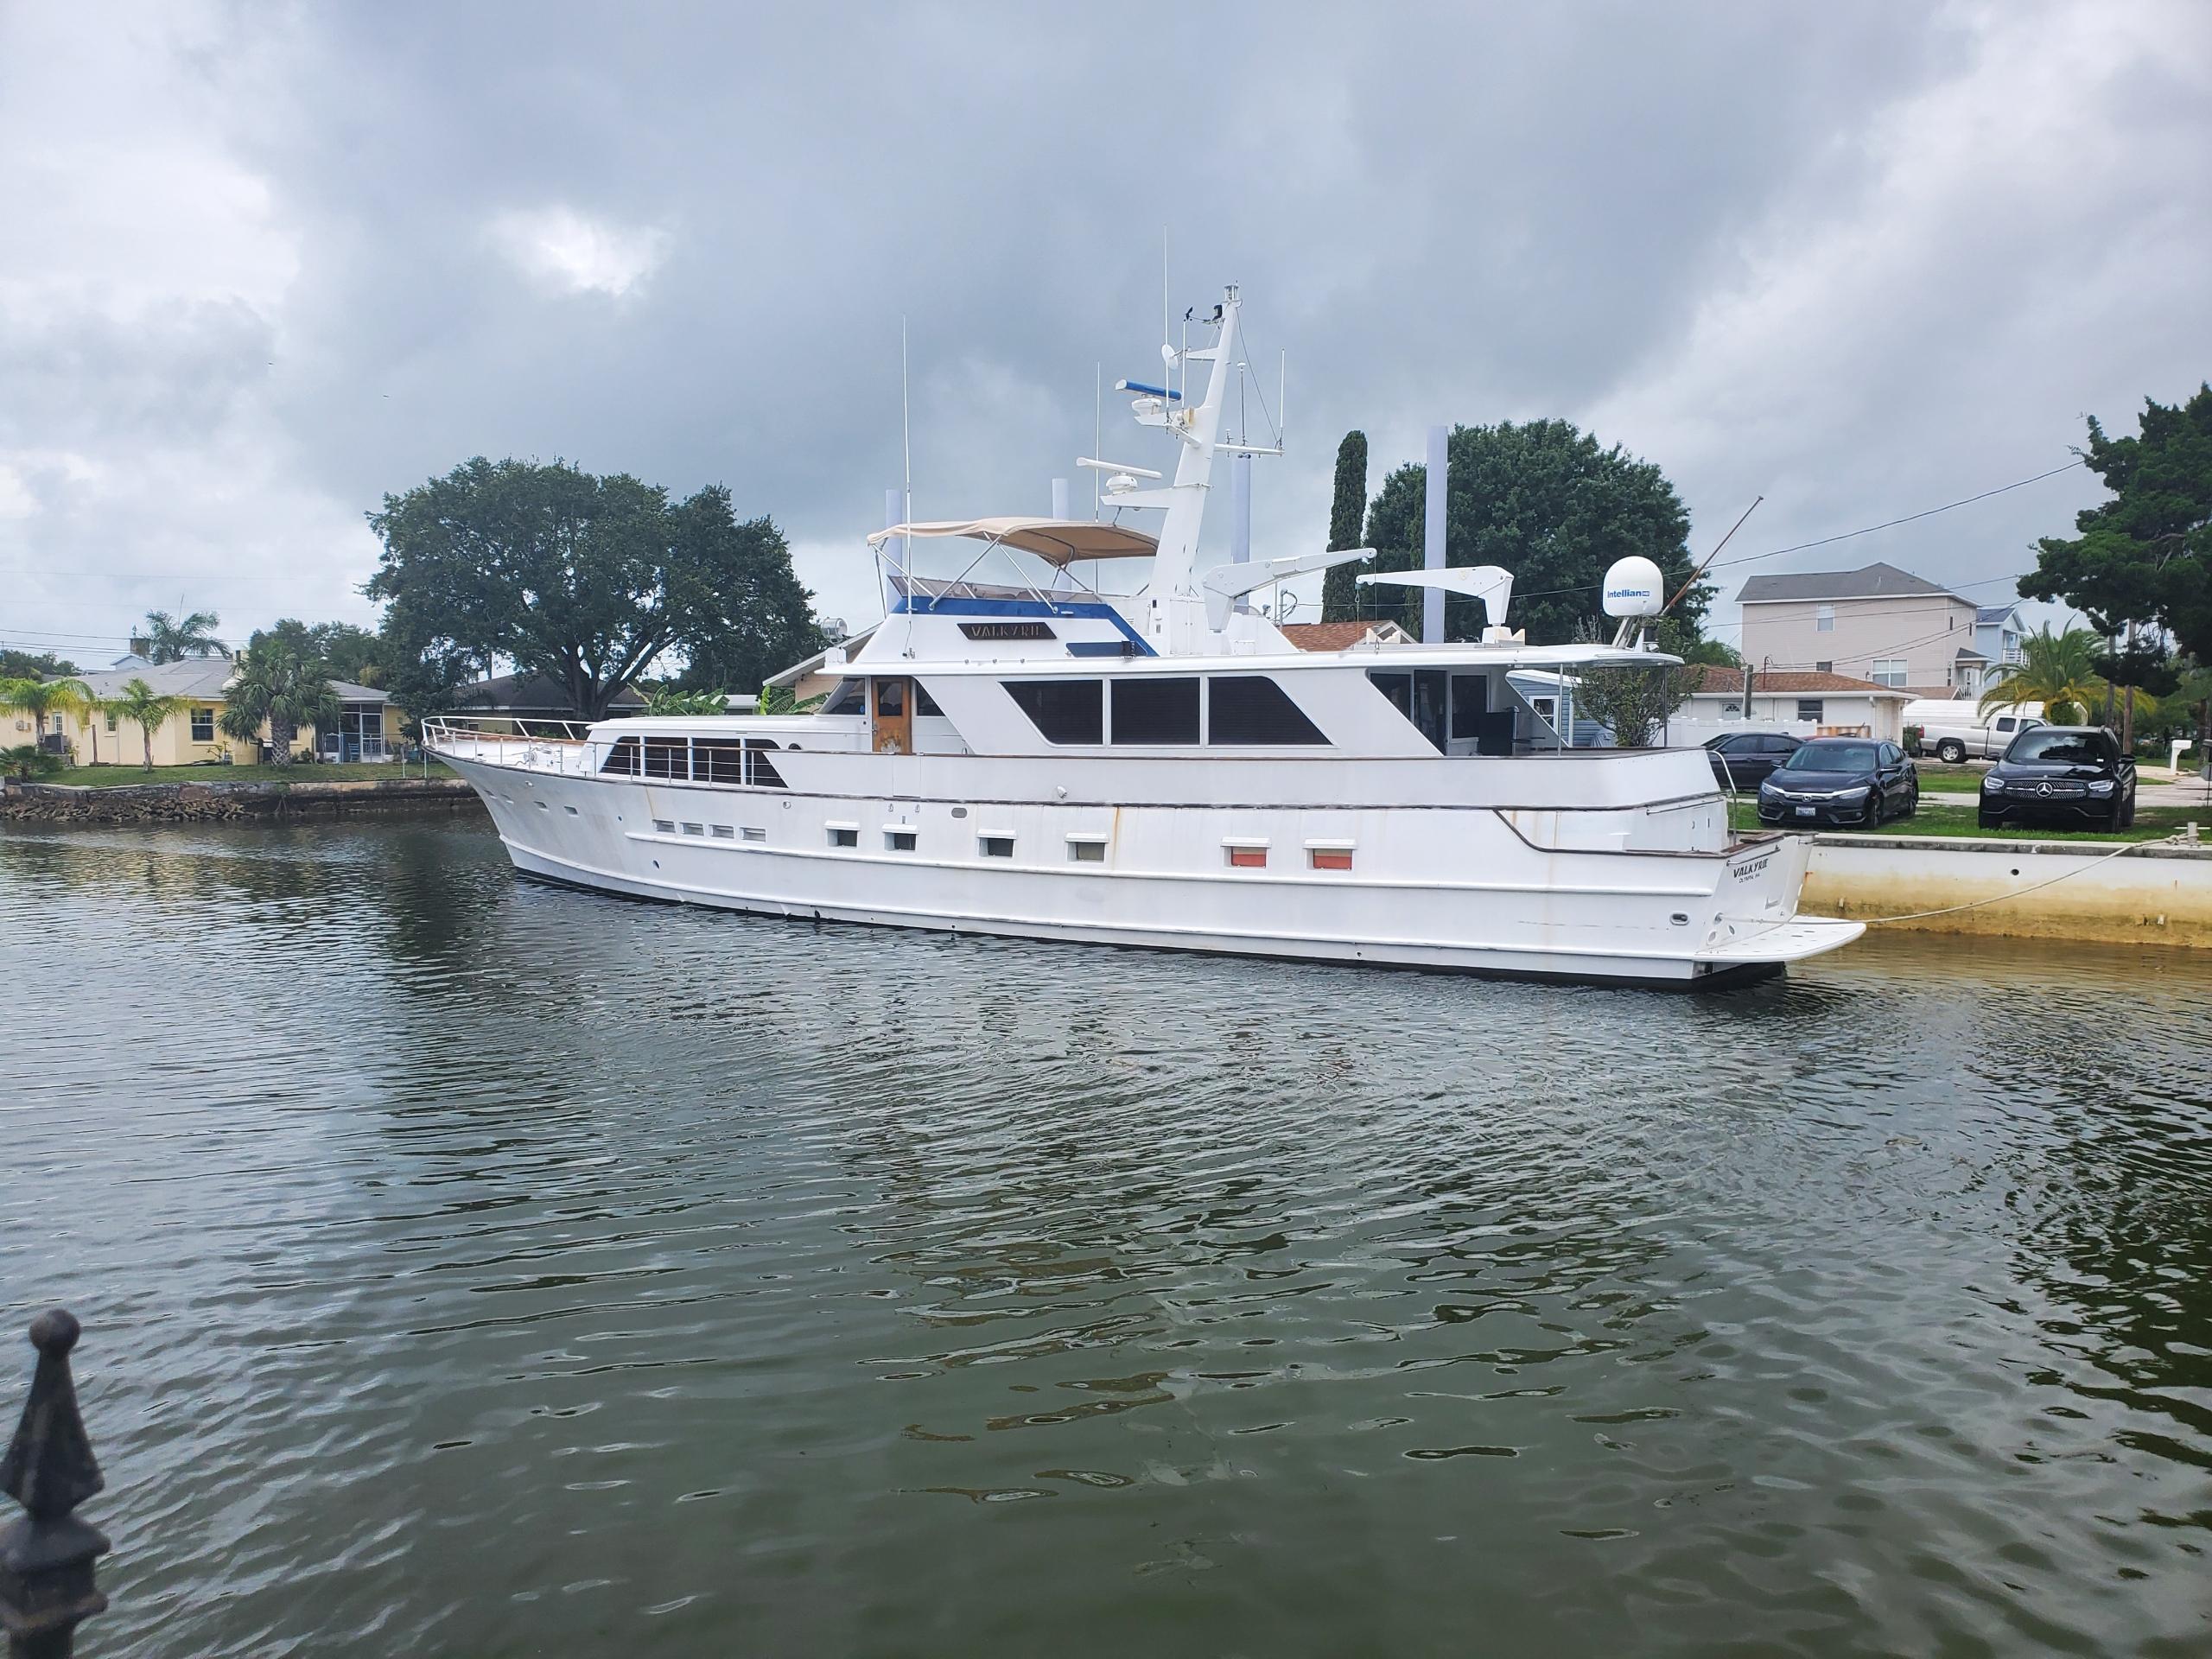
(215, 801)
(2158, 892)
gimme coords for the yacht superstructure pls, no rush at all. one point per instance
(1038, 759)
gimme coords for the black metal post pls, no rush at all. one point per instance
(46, 1556)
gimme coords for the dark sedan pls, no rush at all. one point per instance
(1744, 760)
(1853, 780)
(2065, 774)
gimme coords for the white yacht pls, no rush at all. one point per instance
(1040, 759)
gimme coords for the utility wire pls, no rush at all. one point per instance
(1965, 501)
(1848, 535)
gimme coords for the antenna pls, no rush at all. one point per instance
(1711, 556)
(1167, 314)
(905, 453)
(1097, 425)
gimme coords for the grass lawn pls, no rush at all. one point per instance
(113, 776)
(2151, 823)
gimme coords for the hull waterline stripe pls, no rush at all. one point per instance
(1255, 878)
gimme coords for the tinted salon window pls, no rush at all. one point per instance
(1252, 708)
(1156, 711)
(1066, 711)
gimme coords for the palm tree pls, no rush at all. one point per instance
(171, 639)
(2056, 670)
(145, 709)
(279, 682)
(38, 698)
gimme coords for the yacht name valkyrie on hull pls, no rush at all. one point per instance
(1039, 760)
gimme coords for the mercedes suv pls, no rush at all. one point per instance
(2065, 774)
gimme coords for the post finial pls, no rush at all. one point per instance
(46, 1556)
(50, 1469)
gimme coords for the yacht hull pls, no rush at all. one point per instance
(1491, 905)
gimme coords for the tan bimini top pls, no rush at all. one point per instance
(1056, 540)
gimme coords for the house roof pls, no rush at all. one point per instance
(1968, 654)
(529, 693)
(1994, 613)
(1715, 681)
(203, 677)
(1868, 581)
(1935, 693)
(1331, 636)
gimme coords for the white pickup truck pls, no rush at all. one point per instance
(1955, 729)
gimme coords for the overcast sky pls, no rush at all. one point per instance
(260, 266)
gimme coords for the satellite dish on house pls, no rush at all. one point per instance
(1634, 587)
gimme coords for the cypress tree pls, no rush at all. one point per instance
(1347, 516)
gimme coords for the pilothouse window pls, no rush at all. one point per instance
(622, 758)
(668, 757)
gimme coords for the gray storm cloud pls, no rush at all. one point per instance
(264, 267)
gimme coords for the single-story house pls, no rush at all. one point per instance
(506, 698)
(368, 728)
(1344, 636)
(1805, 703)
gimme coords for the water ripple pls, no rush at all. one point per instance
(477, 1268)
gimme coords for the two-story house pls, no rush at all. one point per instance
(1877, 623)
(1997, 634)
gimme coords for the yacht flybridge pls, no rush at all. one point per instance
(1016, 752)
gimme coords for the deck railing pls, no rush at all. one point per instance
(539, 745)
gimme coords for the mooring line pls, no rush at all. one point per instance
(2021, 892)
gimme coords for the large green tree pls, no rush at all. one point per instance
(1543, 500)
(2144, 558)
(746, 614)
(1347, 513)
(350, 653)
(32, 665)
(280, 680)
(586, 579)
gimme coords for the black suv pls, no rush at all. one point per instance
(2072, 774)
(1743, 760)
(1841, 780)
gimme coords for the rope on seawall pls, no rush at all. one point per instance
(2021, 892)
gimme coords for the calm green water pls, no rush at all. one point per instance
(471, 1267)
